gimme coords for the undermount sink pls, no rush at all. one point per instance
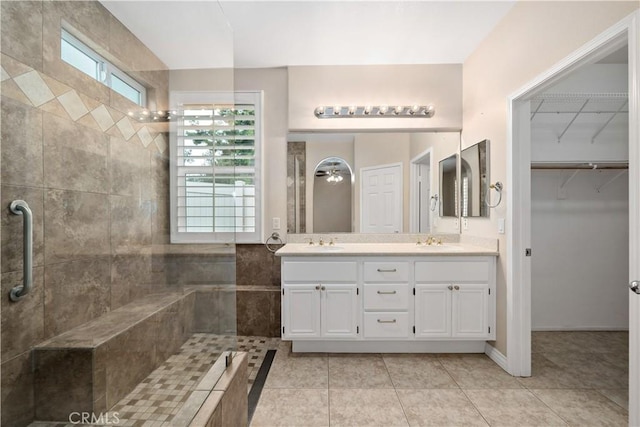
(440, 248)
(324, 248)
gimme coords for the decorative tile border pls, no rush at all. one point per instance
(24, 84)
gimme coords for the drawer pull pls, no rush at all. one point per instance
(456, 287)
(450, 287)
(317, 287)
(386, 321)
(386, 292)
(389, 270)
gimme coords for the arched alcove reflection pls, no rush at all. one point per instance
(332, 196)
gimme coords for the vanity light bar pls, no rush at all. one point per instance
(375, 111)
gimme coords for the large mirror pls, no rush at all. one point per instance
(474, 179)
(406, 162)
(448, 173)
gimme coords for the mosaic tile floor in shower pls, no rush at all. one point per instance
(160, 396)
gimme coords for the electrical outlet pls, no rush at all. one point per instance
(465, 223)
(457, 223)
(500, 225)
(275, 223)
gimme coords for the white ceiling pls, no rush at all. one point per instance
(248, 34)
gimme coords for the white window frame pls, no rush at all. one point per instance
(180, 98)
(106, 68)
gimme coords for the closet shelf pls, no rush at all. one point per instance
(577, 104)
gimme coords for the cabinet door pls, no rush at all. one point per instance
(339, 311)
(433, 310)
(470, 310)
(301, 311)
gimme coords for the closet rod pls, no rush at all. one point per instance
(578, 167)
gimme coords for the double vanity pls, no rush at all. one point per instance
(388, 296)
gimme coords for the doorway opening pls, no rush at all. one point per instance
(421, 201)
(521, 153)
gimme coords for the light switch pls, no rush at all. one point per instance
(500, 225)
(275, 223)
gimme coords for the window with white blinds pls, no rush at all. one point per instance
(215, 181)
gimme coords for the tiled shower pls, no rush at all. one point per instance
(97, 181)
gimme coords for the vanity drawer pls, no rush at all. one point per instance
(386, 271)
(386, 296)
(452, 271)
(386, 325)
(319, 271)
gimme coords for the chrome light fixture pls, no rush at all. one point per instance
(334, 177)
(374, 111)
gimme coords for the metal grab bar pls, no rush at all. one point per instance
(20, 207)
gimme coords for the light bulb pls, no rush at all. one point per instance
(352, 110)
(336, 110)
(429, 111)
(367, 110)
(382, 110)
(414, 109)
(319, 111)
(398, 110)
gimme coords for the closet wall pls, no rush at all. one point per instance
(580, 214)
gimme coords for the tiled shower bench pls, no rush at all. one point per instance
(93, 366)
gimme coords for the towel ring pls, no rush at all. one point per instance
(498, 187)
(273, 242)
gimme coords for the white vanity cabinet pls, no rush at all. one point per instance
(388, 303)
(454, 298)
(319, 300)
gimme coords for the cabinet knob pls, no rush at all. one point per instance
(450, 287)
(317, 287)
(322, 288)
(456, 287)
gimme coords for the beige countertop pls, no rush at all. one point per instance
(384, 249)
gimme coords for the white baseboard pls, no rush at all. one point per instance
(496, 356)
(580, 329)
(325, 346)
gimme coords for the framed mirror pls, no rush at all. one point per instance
(474, 179)
(448, 186)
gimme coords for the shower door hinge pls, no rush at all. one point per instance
(228, 360)
(527, 252)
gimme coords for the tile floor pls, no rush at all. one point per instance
(579, 379)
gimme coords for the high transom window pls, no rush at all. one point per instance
(85, 59)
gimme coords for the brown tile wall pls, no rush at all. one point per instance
(258, 291)
(97, 183)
